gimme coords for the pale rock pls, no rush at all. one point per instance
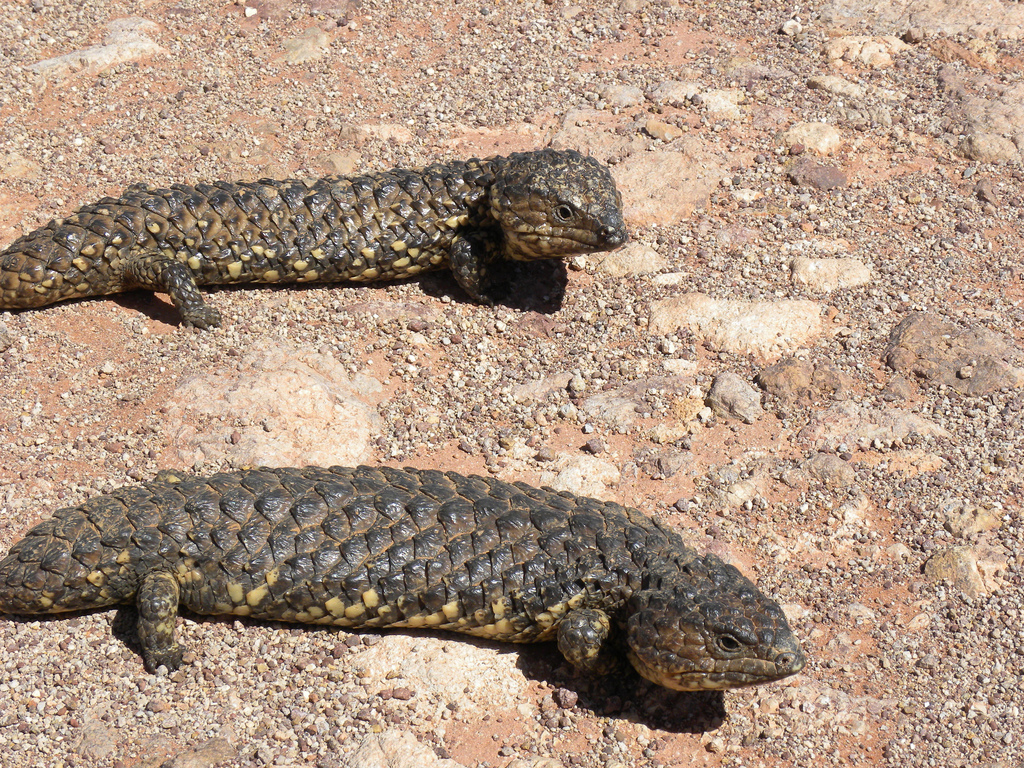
(663, 131)
(740, 493)
(308, 46)
(976, 18)
(671, 278)
(765, 329)
(837, 86)
(389, 132)
(583, 476)
(425, 663)
(339, 163)
(127, 39)
(674, 93)
(539, 390)
(15, 166)
(791, 28)
(618, 407)
(632, 259)
(964, 521)
(733, 397)
(621, 96)
(288, 406)
(859, 425)
(959, 566)
(665, 187)
(820, 138)
(724, 104)
(831, 470)
(830, 274)
(746, 195)
(395, 749)
(988, 148)
(212, 752)
(875, 52)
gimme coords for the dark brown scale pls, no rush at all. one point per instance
(384, 547)
(382, 226)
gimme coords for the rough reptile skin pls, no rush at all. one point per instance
(382, 226)
(382, 547)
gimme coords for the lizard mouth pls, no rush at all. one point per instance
(722, 674)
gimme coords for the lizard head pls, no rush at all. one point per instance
(556, 203)
(707, 627)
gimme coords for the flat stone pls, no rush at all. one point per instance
(789, 379)
(395, 749)
(391, 132)
(831, 470)
(15, 166)
(539, 390)
(830, 274)
(535, 762)
(632, 259)
(666, 464)
(338, 163)
(621, 95)
(674, 93)
(856, 425)
(837, 86)
(765, 329)
(809, 173)
(724, 104)
(663, 131)
(820, 138)
(618, 407)
(583, 476)
(6, 339)
(332, 8)
(930, 17)
(959, 566)
(470, 676)
(308, 46)
(396, 311)
(967, 520)
(734, 398)
(127, 39)
(210, 753)
(288, 406)
(873, 51)
(988, 148)
(665, 187)
(96, 742)
(974, 361)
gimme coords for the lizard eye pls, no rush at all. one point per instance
(563, 212)
(728, 643)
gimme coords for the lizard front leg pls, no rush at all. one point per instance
(155, 272)
(157, 603)
(470, 257)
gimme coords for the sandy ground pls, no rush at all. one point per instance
(833, 497)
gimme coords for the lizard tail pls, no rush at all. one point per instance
(63, 260)
(61, 565)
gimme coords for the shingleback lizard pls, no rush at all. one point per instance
(379, 226)
(383, 547)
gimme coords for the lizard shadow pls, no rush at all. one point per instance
(526, 286)
(622, 694)
(537, 286)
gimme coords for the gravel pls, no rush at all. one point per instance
(834, 499)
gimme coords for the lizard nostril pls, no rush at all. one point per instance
(613, 236)
(789, 660)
